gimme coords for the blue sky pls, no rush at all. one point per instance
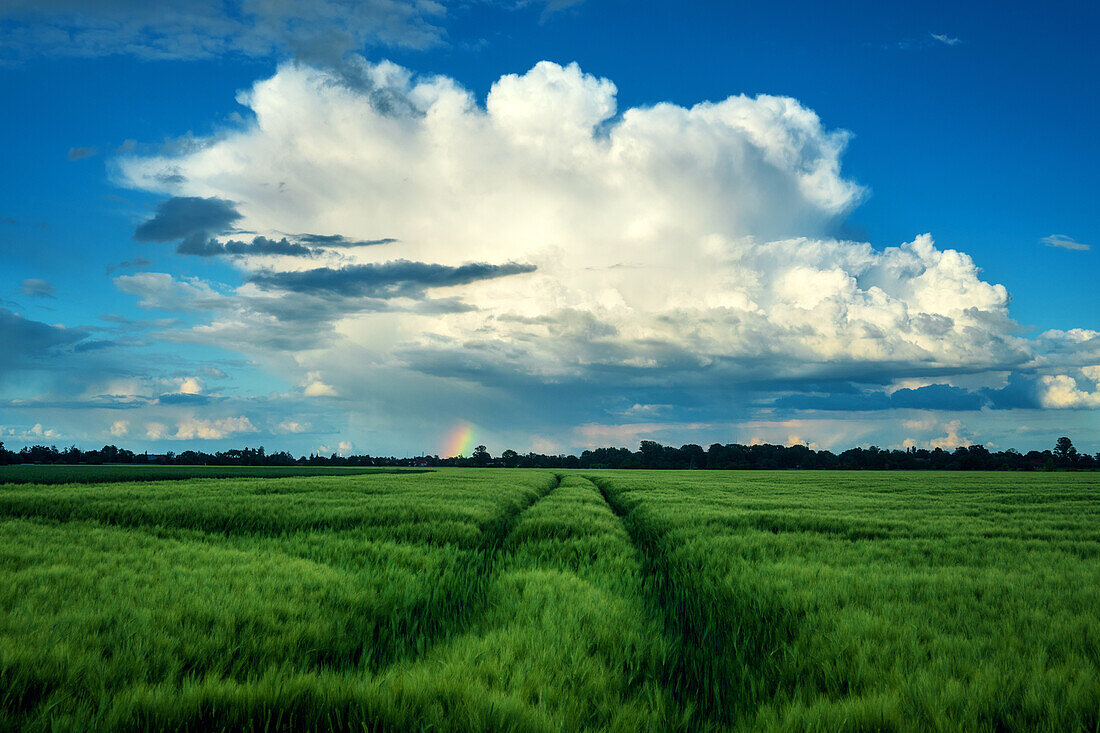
(589, 258)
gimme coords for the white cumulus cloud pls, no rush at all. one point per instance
(1061, 391)
(670, 244)
(191, 428)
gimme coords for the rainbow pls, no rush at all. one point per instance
(459, 441)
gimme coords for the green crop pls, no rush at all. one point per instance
(535, 600)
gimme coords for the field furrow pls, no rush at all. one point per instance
(566, 635)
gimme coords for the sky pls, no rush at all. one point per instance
(369, 226)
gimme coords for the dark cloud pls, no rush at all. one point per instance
(38, 288)
(195, 223)
(139, 324)
(932, 397)
(188, 218)
(24, 339)
(94, 345)
(398, 278)
(339, 240)
(79, 153)
(258, 246)
(1021, 392)
(179, 398)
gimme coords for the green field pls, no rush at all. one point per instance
(93, 474)
(530, 600)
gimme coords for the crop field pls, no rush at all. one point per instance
(91, 474)
(537, 600)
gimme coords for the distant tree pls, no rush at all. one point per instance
(1064, 450)
(481, 456)
(510, 458)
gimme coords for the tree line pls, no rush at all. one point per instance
(650, 455)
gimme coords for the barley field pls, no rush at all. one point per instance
(535, 600)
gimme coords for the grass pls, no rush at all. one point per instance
(537, 600)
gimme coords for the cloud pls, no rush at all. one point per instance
(597, 435)
(26, 341)
(953, 437)
(120, 428)
(260, 245)
(687, 249)
(194, 428)
(182, 29)
(190, 385)
(191, 428)
(930, 397)
(638, 409)
(257, 247)
(160, 291)
(339, 240)
(314, 387)
(944, 39)
(319, 389)
(1061, 241)
(135, 264)
(81, 153)
(291, 426)
(189, 218)
(343, 448)
(1061, 392)
(33, 434)
(398, 278)
(37, 288)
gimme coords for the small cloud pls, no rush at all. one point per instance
(39, 432)
(79, 153)
(314, 387)
(339, 240)
(190, 385)
(120, 428)
(126, 146)
(319, 389)
(289, 426)
(343, 448)
(945, 39)
(135, 264)
(953, 437)
(38, 288)
(260, 245)
(192, 428)
(1061, 241)
(922, 424)
(640, 409)
(155, 430)
(188, 218)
